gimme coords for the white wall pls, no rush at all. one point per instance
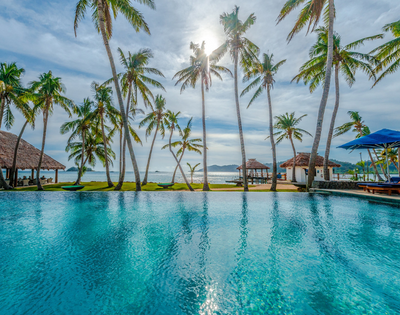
(301, 174)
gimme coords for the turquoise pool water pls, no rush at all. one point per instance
(194, 253)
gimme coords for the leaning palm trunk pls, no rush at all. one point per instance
(395, 165)
(121, 104)
(294, 160)
(109, 181)
(203, 118)
(271, 137)
(3, 182)
(324, 100)
(242, 148)
(2, 104)
(332, 126)
(80, 172)
(14, 166)
(179, 165)
(398, 160)
(45, 119)
(176, 168)
(151, 151)
(374, 165)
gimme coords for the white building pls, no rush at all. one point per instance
(301, 172)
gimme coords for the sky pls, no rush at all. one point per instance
(39, 36)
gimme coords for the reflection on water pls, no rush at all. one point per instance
(183, 253)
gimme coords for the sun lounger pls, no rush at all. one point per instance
(381, 187)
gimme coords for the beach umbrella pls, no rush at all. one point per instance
(382, 139)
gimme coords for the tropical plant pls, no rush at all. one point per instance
(158, 119)
(79, 127)
(185, 144)
(172, 124)
(242, 51)
(311, 15)
(356, 125)
(102, 19)
(345, 61)
(11, 91)
(104, 109)
(45, 93)
(192, 170)
(388, 53)
(263, 73)
(201, 68)
(286, 124)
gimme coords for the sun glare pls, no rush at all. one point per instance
(211, 44)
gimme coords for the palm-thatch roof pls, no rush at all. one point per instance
(253, 164)
(28, 155)
(303, 159)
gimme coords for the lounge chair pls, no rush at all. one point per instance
(386, 187)
(49, 180)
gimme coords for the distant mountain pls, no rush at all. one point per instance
(75, 169)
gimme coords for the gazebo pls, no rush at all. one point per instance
(252, 167)
(27, 158)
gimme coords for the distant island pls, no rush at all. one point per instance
(75, 169)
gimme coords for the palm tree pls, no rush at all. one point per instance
(311, 15)
(345, 61)
(11, 91)
(242, 51)
(102, 19)
(79, 127)
(201, 67)
(133, 82)
(389, 53)
(192, 170)
(46, 92)
(264, 73)
(157, 118)
(287, 125)
(357, 125)
(104, 109)
(172, 124)
(185, 144)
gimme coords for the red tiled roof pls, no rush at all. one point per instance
(303, 159)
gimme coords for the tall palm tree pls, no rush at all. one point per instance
(172, 124)
(11, 91)
(104, 109)
(264, 72)
(389, 53)
(356, 125)
(286, 124)
(345, 61)
(311, 15)
(102, 19)
(46, 92)
(134, 81)
(201, 68)
(157, 119)
(79, 128)
(185, 144)
(242, 51)
(192, 170)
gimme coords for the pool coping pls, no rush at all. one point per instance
(392, 200)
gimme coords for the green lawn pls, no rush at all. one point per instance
(102, 186)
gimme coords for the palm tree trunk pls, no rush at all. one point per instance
(271, 137)
(78, 181)
(374, 165)
(179, 165)
(395, 165)
(151, 150)
(45, 120)
(324, 100)
(12, 172)
(3, 182)
(118, 90)
(398, 159)
(242, 148)
(294, 160)
(2, 104)
(109, 181)
(121, 133)
(176, 168)
(332, 126)
(203, 118)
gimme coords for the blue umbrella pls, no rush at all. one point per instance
(382, 139)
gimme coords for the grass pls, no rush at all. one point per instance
(102, 186)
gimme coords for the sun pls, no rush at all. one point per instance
(211, 44)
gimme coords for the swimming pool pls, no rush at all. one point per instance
(197, 253)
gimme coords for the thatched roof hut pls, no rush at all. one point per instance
(253, 164)
(303, 159)
(28, 155)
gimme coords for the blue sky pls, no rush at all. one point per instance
(39, 36)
